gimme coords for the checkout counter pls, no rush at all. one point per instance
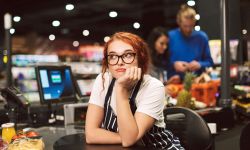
(69, 137)
(57, 118)
(67, 133)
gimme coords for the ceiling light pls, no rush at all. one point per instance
(52, 37)
(197, 28)
(56, 23)
(191, 3)
(12, 31)
(106, 39)
(69, 7)
(197, 17)
(75, 43)
(113, 14)
(244, 31)
(85, 32)
(136, 25)
(16, 19)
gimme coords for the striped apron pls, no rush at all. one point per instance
(156, 137)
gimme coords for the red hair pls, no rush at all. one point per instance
(140, 47)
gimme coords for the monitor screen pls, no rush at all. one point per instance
(55, 84)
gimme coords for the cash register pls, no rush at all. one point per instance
(57, 87)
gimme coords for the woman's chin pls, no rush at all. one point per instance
(118, 74)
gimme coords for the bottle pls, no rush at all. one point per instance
(8, 131)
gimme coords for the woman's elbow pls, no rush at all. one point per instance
(129, 139)
(87, 141)
(125, 144)
(128, 143)
(89, 138)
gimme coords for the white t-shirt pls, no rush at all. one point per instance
(149, 99)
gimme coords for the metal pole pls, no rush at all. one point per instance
(225, 100)
(7, 26)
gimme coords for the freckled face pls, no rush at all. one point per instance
(126, 60)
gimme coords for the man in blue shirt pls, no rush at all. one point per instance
(188, 49)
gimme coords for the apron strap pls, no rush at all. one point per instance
(110, 89)
(133, 96)
(131, 99)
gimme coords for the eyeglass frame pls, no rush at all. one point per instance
(121, 56)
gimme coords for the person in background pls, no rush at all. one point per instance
(188, 49)
(126, 105)
(158, 47)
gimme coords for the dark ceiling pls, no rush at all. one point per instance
(37, 16)
(93, 15)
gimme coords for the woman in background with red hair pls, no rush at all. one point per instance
(126, 105)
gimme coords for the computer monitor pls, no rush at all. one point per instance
(55, 84)
(84, 87)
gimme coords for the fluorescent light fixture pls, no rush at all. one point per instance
(136, 25)
(106, 39)
(52, 37)
(197, 28)
(85, 32)
(244, 31)
(56, 23)
(191, 3)
(12, 31)
(75, 43)
(69, 7)
(113, 14)
(197, 17)
(16, 18)
(7, 21)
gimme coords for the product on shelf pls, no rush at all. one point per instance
(24, 60)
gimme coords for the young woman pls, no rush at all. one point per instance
(126, 105)
(158, 47)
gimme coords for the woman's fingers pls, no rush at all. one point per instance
(130, 78)
(132, 72)
(127, 73)
(139, 73)
(135, 73)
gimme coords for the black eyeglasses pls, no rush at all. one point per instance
(127, 58)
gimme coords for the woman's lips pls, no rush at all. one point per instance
(120, 70)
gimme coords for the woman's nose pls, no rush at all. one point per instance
(120, 62)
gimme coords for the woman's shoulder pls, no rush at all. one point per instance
(106, 77)
(148, 80)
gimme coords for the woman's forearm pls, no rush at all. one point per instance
(128, 129)
(102, 136)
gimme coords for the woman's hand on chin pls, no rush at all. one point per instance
(129, 79)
